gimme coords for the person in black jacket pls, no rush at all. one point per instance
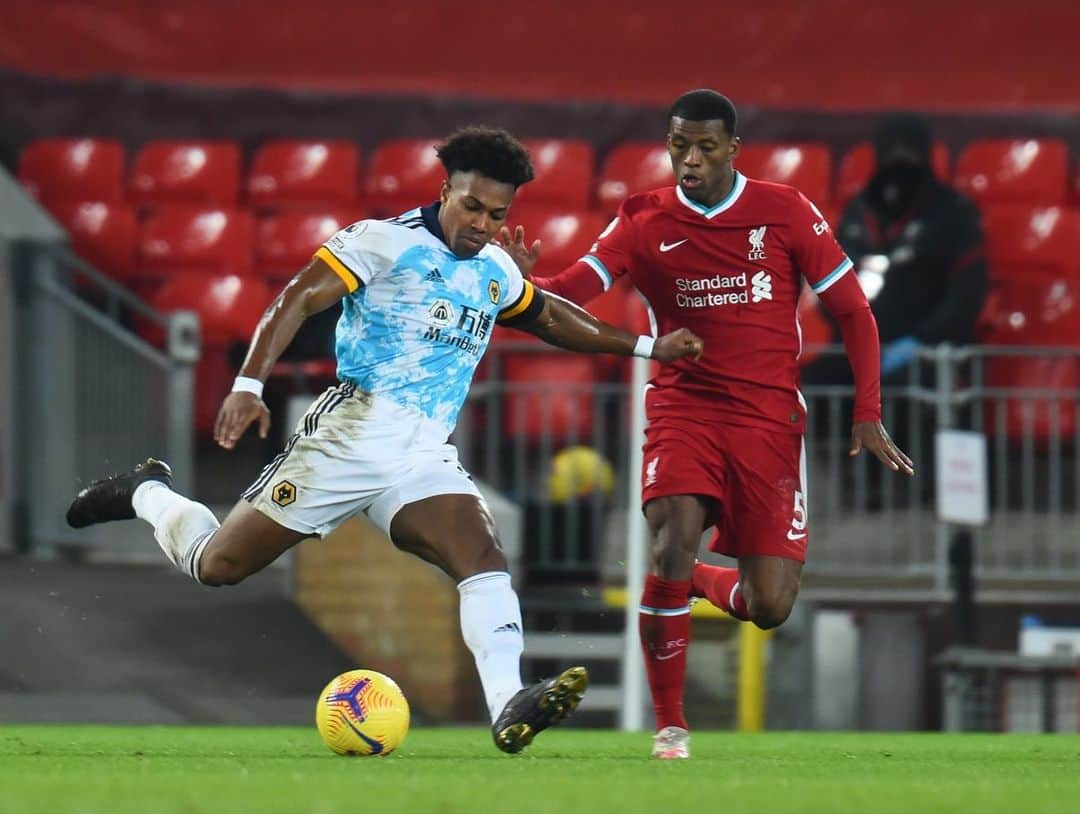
(918, 247)
(919, 252)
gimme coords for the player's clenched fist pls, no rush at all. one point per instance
(676, 345)
(236, 414)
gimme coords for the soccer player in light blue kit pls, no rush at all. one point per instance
(421, 295)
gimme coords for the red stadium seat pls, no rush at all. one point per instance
(307, 376)
(564, 174)
(214, 376)
(1033, 312)
(195, 172)
(857, 166)
(229, 308)
(565, 235)
(549, 395)
(1014, 171)
(105, 235)
(403, 174)
(1033, 415)
(56, 170)
(1027, 240)
(185, 239)
(285, 242)
(807, 167)
(632, 168)
(304, 174)
(502, 342)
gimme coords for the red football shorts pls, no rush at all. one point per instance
(756, 477)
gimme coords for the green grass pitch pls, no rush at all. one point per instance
(116, 770)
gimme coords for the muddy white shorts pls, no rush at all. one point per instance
(353, 453)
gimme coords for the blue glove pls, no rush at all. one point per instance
(897, 354)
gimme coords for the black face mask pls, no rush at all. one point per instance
(896, 185)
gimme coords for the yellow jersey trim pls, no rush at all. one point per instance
(524, 301)
(350, 279)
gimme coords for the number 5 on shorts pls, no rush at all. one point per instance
(798, 513)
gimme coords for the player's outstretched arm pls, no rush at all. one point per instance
(565, 325)
(846, 301)
(315, 288)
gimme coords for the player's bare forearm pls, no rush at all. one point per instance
(314, 289)
(565, 325)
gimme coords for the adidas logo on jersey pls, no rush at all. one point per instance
(433, 276)
(761, 287)
(509, 627)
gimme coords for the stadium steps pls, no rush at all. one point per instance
(589, 648)
(142, 644)
(573, 625)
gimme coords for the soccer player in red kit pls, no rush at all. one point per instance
(725, 256)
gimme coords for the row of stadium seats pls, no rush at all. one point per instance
(181, 239)
(1023, 241)
(227, 262)
(288, 174)
(180, 256)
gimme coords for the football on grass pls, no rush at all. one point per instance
(362, 713)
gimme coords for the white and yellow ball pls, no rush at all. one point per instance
(362, 713)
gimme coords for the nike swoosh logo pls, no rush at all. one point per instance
(668, 656)
(666, 247)
(791, 536)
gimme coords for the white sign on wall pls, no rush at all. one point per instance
(962, 489)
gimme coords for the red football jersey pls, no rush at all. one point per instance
(732, 274)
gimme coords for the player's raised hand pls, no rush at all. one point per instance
(237, 413)
(676, 345)
(524, 256)
(872, 436)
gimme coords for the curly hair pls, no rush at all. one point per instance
(703, 105)
(489, 152)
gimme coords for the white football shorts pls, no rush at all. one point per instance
(353, 452)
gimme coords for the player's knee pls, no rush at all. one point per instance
(676, 531)
(217, 568)
(479, 558)
(768, 612)
(460, 558)
(671, 557)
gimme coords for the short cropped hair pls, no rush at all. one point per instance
(490, 152)
(705, 105)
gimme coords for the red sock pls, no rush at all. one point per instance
(664, 625)
(721, 587)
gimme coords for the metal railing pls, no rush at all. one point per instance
(92, 396)
(994, 691)
(873, 532)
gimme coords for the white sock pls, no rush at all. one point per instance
(491, 627)
(182, 527)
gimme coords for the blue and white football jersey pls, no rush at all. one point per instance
(418, 318)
